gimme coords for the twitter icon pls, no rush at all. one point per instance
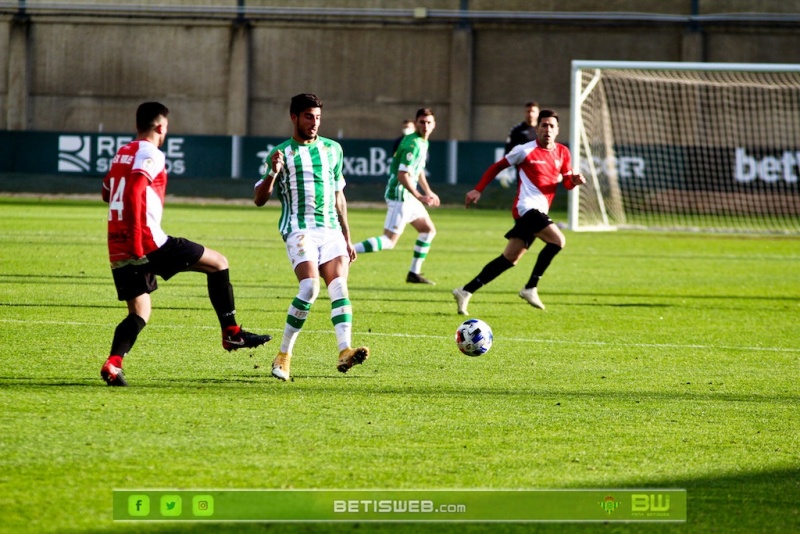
(171, 505)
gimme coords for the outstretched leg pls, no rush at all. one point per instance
(374, 244)
(220, 293)
(514, 250)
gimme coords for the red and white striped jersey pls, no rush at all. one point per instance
(539, 171)
(134, 189)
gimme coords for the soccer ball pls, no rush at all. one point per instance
(474, 337)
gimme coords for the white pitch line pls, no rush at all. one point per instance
(427, 336)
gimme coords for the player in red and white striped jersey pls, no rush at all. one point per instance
(541, 165)
(139, 249)
(134, 189)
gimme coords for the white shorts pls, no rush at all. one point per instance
(319, 245)
(400, 213)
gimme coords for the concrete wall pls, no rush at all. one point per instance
(220, 76)
(368, 78)
(87, 76)
(5, 56)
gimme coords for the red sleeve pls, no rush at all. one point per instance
(566, 168)
(106, 190)
(135, 205)
(490, 174)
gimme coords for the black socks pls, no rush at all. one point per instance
(220, 292)
(126, 333)
(492, 270)
(542, 263)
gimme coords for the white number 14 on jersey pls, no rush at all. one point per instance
(115, 202)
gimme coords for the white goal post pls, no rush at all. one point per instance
(686, 146)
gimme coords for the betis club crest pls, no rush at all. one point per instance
(609, 504)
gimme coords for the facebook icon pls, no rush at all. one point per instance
(138, 505)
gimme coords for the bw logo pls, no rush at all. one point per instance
(641, 502)
(74, 153)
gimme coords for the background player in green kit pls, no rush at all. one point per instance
(306, 173)
(406, 204)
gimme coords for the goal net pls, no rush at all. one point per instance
(686, 146)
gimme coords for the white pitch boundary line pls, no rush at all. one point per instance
(427, 336)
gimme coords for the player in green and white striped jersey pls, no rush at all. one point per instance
(306, 173)
(308, 183)
(406, 204)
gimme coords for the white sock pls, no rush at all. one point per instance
(341, 312)
(374, 244)
(421, 248)
(298, 312)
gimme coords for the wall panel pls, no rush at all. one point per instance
(84, 73)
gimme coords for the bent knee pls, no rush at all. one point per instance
(514, 257)
(429, 235)
(308, 289)
(215, 260)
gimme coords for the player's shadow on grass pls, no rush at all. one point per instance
(36, 280)
(7, 382)
(51, 276)
(58, 305)
(115, 305)
(169, 384)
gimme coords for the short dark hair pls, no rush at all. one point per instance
(147, 113)
(530, 103)
(304, 101)
(546, 113)
(424, 112)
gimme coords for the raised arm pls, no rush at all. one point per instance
(490, 174)
(262, 191)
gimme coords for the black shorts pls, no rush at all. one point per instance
(527, 226)
(173, 257)
(133, 280)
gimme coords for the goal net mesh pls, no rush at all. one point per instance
(687, 150)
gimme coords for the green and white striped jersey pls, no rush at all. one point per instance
(410, 157)
(308, 183)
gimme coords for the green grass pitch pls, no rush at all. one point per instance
(662, 361)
